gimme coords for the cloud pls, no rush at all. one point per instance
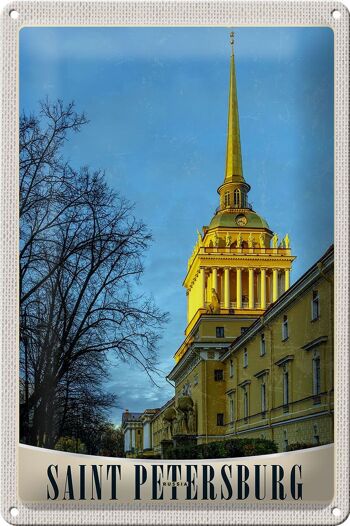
(136, 392)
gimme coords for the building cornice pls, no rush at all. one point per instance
(285, 359)
(185, 362)
(188, 361)
(243, 384)
(314, 343)
(262, 373)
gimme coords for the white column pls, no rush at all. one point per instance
(215, 279)
(227, 289)
(275, 284)
(133, 438)
(251, 289)
(286, 279)
(239, 288)
(263, 288)
(127, 440)
(202, 288)
(147, 435)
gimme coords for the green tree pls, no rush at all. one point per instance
(112, 441)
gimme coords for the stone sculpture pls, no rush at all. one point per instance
(275, 240)
(262, 240)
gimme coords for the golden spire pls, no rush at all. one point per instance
(233, 170)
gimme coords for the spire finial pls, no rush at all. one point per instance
(233, 169)
(232, 40)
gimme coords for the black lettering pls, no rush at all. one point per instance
(157, 482)
(53, 482)
(208, 475)
(68, 488)
(96, 482)
(277, 486)
(173, 468)
(296, 489)
(140, 478)
(113, 468)
(258, 482)
(226, 482)
(243, 488)
(191, 482)
(82, 481)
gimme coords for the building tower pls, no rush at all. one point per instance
(238, 266)
(255, 356)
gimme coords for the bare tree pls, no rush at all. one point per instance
(81, 252)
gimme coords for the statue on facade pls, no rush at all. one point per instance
(175, 427)
(180, 423)
(186, 390)
(216, 240)
(166, 430)
(275, 240)
(262, 240)
(239, 240)
(191, 422)
(286, 241)
(228, 240)
(214, 307)
(199, 238)
(250, 240)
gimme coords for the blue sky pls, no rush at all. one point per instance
(156, 99)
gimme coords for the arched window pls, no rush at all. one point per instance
(227, 199)
(237, 198)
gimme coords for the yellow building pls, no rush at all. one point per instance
(257, 358)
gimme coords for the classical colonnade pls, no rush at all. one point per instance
(252, 272)
(130, 435)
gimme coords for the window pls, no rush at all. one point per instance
(286, 389)
(285, 333)
(220, 419)
(236, 198)
(262, 345)
(232, 409)
(263, 397)
(220, 332)
(285, 439)
(246, 403)
(315, 306)
(245, 357)
(138, 432)
(218, 375)
(227, 199)
(316, 375)
(231, 368)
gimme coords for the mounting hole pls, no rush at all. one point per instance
(14, 14)
(336, 512)
(336, 14)
(14, 512)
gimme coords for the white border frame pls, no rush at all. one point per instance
(180, 13)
